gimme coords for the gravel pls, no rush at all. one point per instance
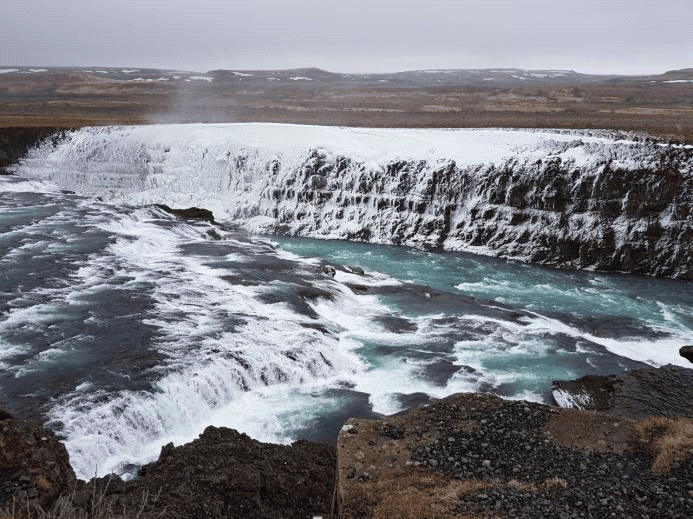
(533, 477)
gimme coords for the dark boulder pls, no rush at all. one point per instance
(638, 394)
(191, 213)
(224, 473)
(687, 352)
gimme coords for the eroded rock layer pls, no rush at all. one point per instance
(34, 465)
(223, 473)
(629, 208)
(573, 200)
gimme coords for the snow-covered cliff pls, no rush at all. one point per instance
(573, 200)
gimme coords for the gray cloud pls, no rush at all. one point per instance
(357, 35)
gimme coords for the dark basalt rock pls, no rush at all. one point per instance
(191, 213)
(15, 142)
(628, 208)
(34, 466)
(224, 473)
(687, 352)
(638, 394)
(214, 235)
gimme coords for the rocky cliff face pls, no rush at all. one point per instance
(627, 207)
(15, 142)
(223, 473)
(34, 466)
(577, 201)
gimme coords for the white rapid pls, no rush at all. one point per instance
(577, 200)
(127, 328)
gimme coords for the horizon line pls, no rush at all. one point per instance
(370, 73)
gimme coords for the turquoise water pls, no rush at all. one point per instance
(493, 325)
(124, 328)
(655, 302)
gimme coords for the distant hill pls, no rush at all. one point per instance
(506, 97)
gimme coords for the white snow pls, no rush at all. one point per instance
(464, 146)
(235, 170)
(202, 78)
(565, 399)
(8, 70)
(542, 75)
(301, 78)
(242, 74)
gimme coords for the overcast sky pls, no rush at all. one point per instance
(598, 36)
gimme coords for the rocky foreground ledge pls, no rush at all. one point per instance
(474, 455)
(639, 394)
(223, 473)
(467, 456)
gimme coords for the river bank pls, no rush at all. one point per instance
(468, 455)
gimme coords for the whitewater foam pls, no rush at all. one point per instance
(417, 187)
(221, 342)
(235, 332)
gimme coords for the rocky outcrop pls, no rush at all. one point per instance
(475, 455)
(15, 142)
(223, 473)
(227, 474)
(627, 207)
(190, 213)
(664, 391)
(34, 465)
(687, 352)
